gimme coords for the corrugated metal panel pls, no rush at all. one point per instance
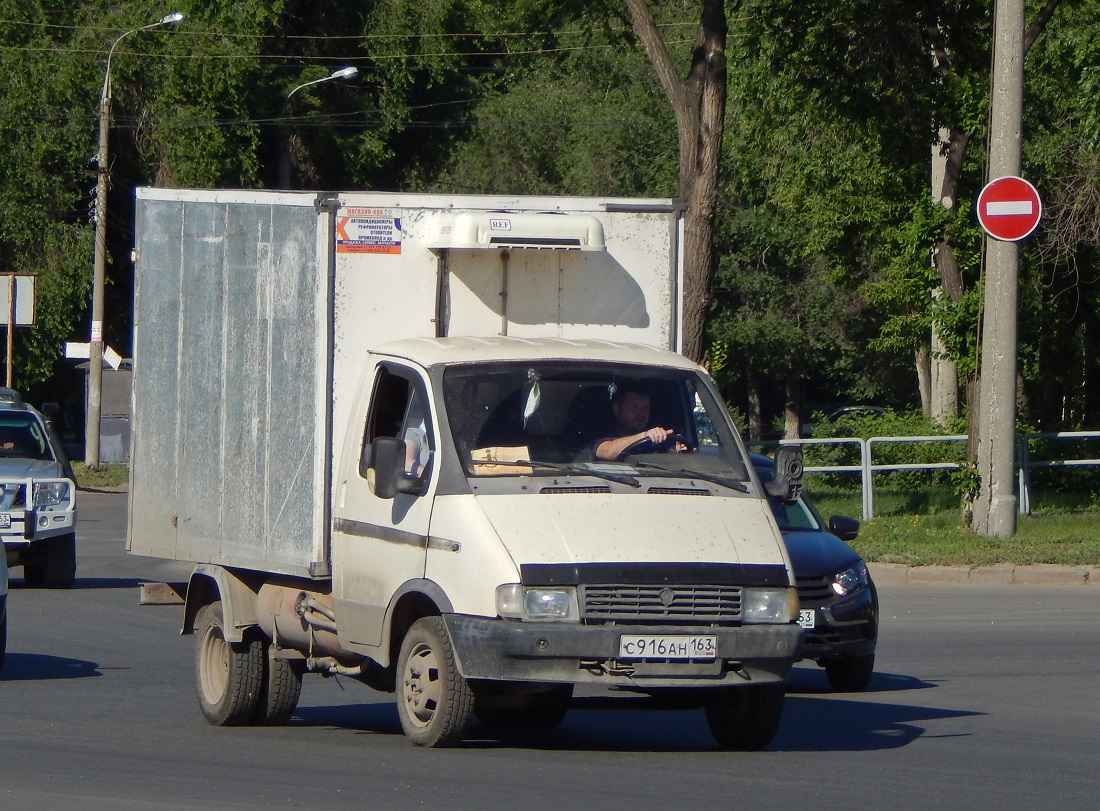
(224, 462)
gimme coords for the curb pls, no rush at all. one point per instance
(1001, 574)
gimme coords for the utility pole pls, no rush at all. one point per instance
(995, 508)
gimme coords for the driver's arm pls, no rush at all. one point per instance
(611, 449)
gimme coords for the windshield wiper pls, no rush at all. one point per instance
(722, 481)
(580, 470)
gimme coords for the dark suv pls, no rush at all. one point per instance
(37, 496)
(839, 603)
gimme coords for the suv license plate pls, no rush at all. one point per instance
(807, 618)
(5, 520)
(681, 648)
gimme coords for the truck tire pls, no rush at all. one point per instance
(228, 676)
(851, 674)
(51, 563)
(434, 701)
(746, 718)
(280, 689)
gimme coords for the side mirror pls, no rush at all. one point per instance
(787, 483)
(843, 527)
(386, 474)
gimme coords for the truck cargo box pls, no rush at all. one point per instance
(254, 310)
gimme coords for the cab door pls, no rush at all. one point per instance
(379, 544)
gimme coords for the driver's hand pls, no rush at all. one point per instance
(657, 435)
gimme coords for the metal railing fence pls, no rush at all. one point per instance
(867, 467)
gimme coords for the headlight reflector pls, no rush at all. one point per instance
(51, 494)
(769, 605)
(851, 579)
(537, 604)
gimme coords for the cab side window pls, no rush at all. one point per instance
(399, 409)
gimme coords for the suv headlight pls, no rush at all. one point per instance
(777, 606)
(537, 603)
(51, 494)
(851, 579)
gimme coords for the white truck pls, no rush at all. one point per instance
(374, 422)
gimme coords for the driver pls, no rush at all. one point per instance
(630, 415)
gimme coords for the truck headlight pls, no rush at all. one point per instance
(51, 494)
(760, 605)
(851, 579)
(537, 604)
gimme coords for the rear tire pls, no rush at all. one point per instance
(281, 687)
(746, 718)
(851, 674)
(228, 676)
(434, 701)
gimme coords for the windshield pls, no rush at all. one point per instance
(517, 419)
(22, 436)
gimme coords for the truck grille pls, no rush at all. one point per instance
(660, 603)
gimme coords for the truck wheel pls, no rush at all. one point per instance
(746, 718)
(851, 674)
(60, 569)
(228, 676)
(434, 701)
(280, 690)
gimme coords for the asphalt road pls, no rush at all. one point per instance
(985, 697)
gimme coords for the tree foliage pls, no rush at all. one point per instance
(823, 229)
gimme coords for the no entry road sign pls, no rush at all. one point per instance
(1009, 208)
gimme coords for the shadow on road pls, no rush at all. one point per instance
(40, 667)
(87, 583)
(827, 722)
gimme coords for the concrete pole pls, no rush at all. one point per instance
(99, 273)
(995, 509)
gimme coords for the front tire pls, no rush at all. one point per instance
(51, 563)
(434, 701)
(746, 718)
(228, 676)
(851, 674)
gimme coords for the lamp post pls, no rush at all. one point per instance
(95, 339)
(284, 158)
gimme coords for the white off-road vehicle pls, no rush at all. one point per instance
(38, 500)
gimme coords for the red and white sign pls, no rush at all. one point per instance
(1009, 208)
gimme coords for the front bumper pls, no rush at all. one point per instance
(22, 524)
(503, 650)
(847, 626)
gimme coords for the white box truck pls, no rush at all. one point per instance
(444, 445)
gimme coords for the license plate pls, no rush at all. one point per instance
(5, 520)
(807, 618)
(667, 647)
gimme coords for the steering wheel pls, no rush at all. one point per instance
(638, 445)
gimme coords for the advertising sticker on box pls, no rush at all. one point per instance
(367, 230)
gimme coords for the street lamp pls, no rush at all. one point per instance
(284, 158)
(95, 342)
